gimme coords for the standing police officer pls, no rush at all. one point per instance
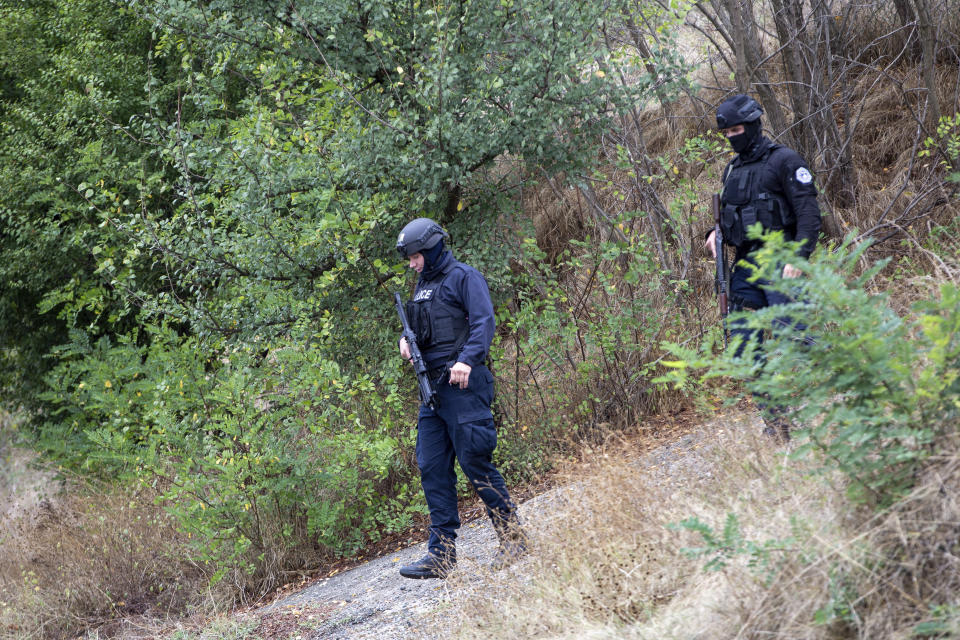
(770, 184)
(452, 316)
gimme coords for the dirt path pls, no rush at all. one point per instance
(373, 601)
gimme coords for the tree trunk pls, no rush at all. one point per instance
(905, 11)
(637, 36)
(928, 45)
(808, 62)
(741, 74)
(828, 84)
(738, 17)
(791, 31)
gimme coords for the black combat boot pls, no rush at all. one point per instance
(430, 566)
(777, 428)
(513, 540)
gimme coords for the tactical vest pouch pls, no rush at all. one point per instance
(736, 215)
(443, 329)
(732, 226)
(738, 186)
(748, 217)
(419, 322)
(769, 211)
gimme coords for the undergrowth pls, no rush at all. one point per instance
(245, 449)
(741, 541)
(850, 533)
(92, 556)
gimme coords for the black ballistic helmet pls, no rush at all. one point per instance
(739, 109)
(419, 234)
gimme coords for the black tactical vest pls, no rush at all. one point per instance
(745, 200)
(441, 329)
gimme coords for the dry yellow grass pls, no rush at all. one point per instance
(92, 557)
(608, 566)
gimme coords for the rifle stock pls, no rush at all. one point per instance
(722, 277)
(428, 395)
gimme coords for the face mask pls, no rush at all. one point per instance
(751, 133)
(432, 255)
(741, 142)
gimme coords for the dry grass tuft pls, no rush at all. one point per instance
(91, 558)
(558, 214)
(877, 33)
(916, 546)
(882, 150)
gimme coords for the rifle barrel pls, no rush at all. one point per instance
(720, 283)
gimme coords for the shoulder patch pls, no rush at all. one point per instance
(803, 176)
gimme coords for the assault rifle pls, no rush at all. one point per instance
(428, 395)
(722, 279)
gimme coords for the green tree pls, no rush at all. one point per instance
(71, 73)
(438, 90)
(306, 134)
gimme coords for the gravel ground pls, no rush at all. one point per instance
(374, 601)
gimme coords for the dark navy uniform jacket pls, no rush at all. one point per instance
(463, 290)
(784, 175)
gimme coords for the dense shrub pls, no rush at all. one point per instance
(221, 331)
(268, 464)
(870, 391)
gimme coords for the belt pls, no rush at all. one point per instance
(742, 303)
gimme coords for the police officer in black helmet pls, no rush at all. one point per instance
(452, 316)
(770, 184)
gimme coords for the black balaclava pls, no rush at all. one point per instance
(432, 258)
(744, 141)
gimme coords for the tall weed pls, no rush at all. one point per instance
(90, 556)
(584, 329)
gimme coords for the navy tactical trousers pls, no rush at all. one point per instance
(756, 295)
(461, 427)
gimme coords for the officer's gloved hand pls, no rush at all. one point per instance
(460, 374)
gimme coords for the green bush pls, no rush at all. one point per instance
(721, 547)
(871, 390)
(214, 238)
(260, 459)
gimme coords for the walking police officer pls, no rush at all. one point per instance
(770, 184)
(452, 316)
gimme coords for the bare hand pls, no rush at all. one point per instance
(790, 271)
(460, 374)
(711, 244)
(405, 349)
